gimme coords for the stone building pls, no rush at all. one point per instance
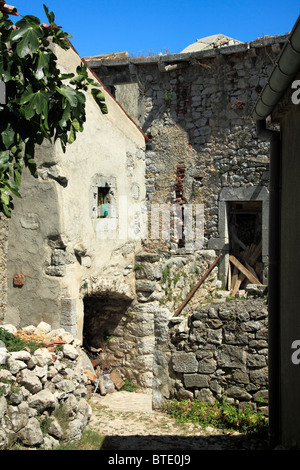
(67, 240)
(195, 108)
(202, 150)
(86, 250)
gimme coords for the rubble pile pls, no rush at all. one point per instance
(43, 394)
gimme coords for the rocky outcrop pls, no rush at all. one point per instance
(43, 393)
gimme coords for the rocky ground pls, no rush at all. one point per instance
(129, 423)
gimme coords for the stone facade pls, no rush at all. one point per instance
(195, 108)
(221, 350)
(57, 241)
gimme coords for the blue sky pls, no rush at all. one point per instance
(143, 28)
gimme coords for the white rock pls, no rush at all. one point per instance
(21, 355)
(70, 352)
(17, 416)
(29, 330)
(61, 335)
(10, 328)
(4, 355)
(43, 356)
(43, 327)
(15, 366)
(43, 400)
(30, 381)
(31, 434)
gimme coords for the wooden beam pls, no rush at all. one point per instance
(237, 284)
(255, 255)
(244, 270)
(198, 285)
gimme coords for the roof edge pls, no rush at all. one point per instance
(281, 77)
(115, 59)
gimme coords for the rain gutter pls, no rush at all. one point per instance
(282, 75)
(280, 79)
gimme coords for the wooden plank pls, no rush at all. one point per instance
(229, 277)
(256, 254)
(198, 285)
(238, 284)
(250, 269)
(235, 276)
(244, 270)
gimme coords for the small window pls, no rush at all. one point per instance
(103, 201)
(103, 197)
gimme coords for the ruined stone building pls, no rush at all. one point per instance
(60, 247)
(195, 108)
(80, 252)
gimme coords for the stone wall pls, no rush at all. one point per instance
(43, 394)
(196, 112)
(218, 350)
(127, 329)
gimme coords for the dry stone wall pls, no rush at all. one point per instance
(220, 350)
(43, 394)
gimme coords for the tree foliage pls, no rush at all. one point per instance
(41, 102)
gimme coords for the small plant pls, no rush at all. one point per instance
(137, 267)
(14, 343)
(45, 425)
(167, 97)
(129, 386)
(166, 274)
(222, 415)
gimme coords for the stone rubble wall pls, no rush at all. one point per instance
(220, 350)
(198, 115)
(163, 281)
(38, 389)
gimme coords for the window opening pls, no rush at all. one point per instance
(103, 200)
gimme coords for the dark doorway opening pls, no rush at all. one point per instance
(245, 235)
(102, 315)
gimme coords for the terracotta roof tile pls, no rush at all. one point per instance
(9, 9)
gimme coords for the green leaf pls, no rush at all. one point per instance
(43, 65)
(69, 93)
(37, 103)
(66, 116)
(4, 157)
(13, 187)
(27, 35)
(76, 125)
(5, 209)
(5, 198)
(8, 136)
(99, 98)
(72, 136)
(50, 15)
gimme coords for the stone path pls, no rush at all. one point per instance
(129, 423)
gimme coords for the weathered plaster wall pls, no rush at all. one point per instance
(53, 240)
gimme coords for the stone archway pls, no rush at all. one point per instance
(106, 302)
